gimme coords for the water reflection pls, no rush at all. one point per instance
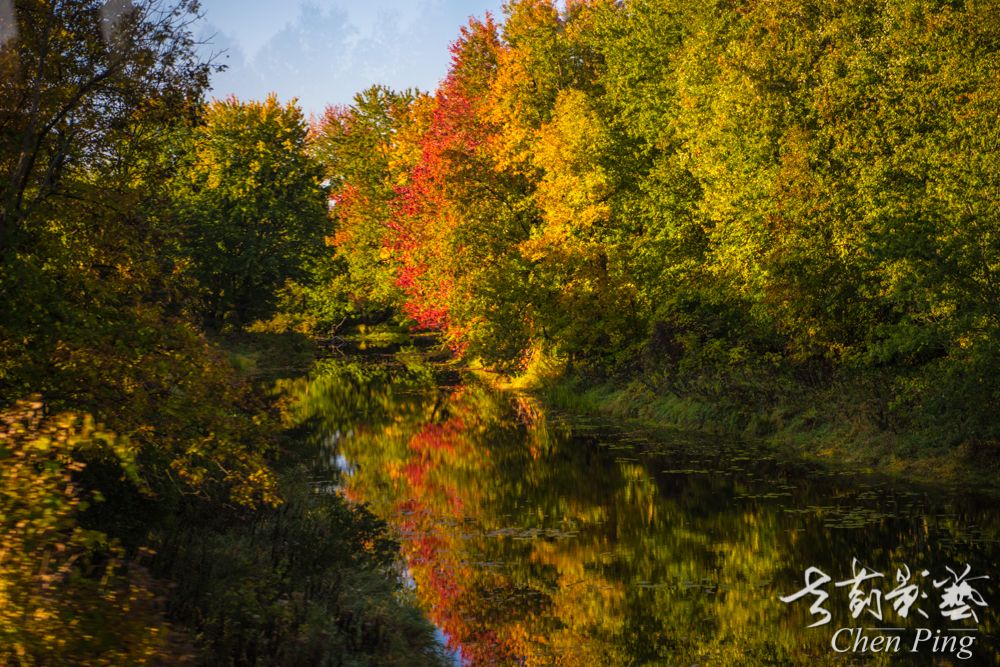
(536, 539)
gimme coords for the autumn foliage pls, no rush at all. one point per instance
(135, 219)
(807, 185)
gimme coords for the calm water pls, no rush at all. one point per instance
(537, 538)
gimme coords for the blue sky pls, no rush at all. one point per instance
(324, 51)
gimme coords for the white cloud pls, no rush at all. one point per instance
(8, 22)
(326, 54)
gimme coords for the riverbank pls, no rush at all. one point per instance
(310, 580)
(837, 422)
(840, 423)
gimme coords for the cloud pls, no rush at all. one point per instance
(8, 22)
(323, 57)
(304, 59)
(315, 49)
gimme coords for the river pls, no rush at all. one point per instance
(532, 537)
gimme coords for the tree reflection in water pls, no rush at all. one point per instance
(537, 539)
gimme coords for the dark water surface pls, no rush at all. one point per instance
(538, 538)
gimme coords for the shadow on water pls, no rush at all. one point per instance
(539, 538)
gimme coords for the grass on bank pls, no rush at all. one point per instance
(262, 352)
(842, 420)
(822, 431)
(268, 348)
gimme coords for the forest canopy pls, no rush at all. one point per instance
(139, 224)
(728, 199)
(801, 183)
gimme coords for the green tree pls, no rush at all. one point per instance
(75, 73)
(85, 101)
(65, 600)
(92, 310)
(253, 206)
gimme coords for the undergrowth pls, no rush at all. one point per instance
(309, 582)
(838, 415)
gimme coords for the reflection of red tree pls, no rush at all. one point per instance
(451, 591)
(431, 442)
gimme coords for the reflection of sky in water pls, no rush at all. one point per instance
(442, 637)
(345, 467)
(338, 461)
